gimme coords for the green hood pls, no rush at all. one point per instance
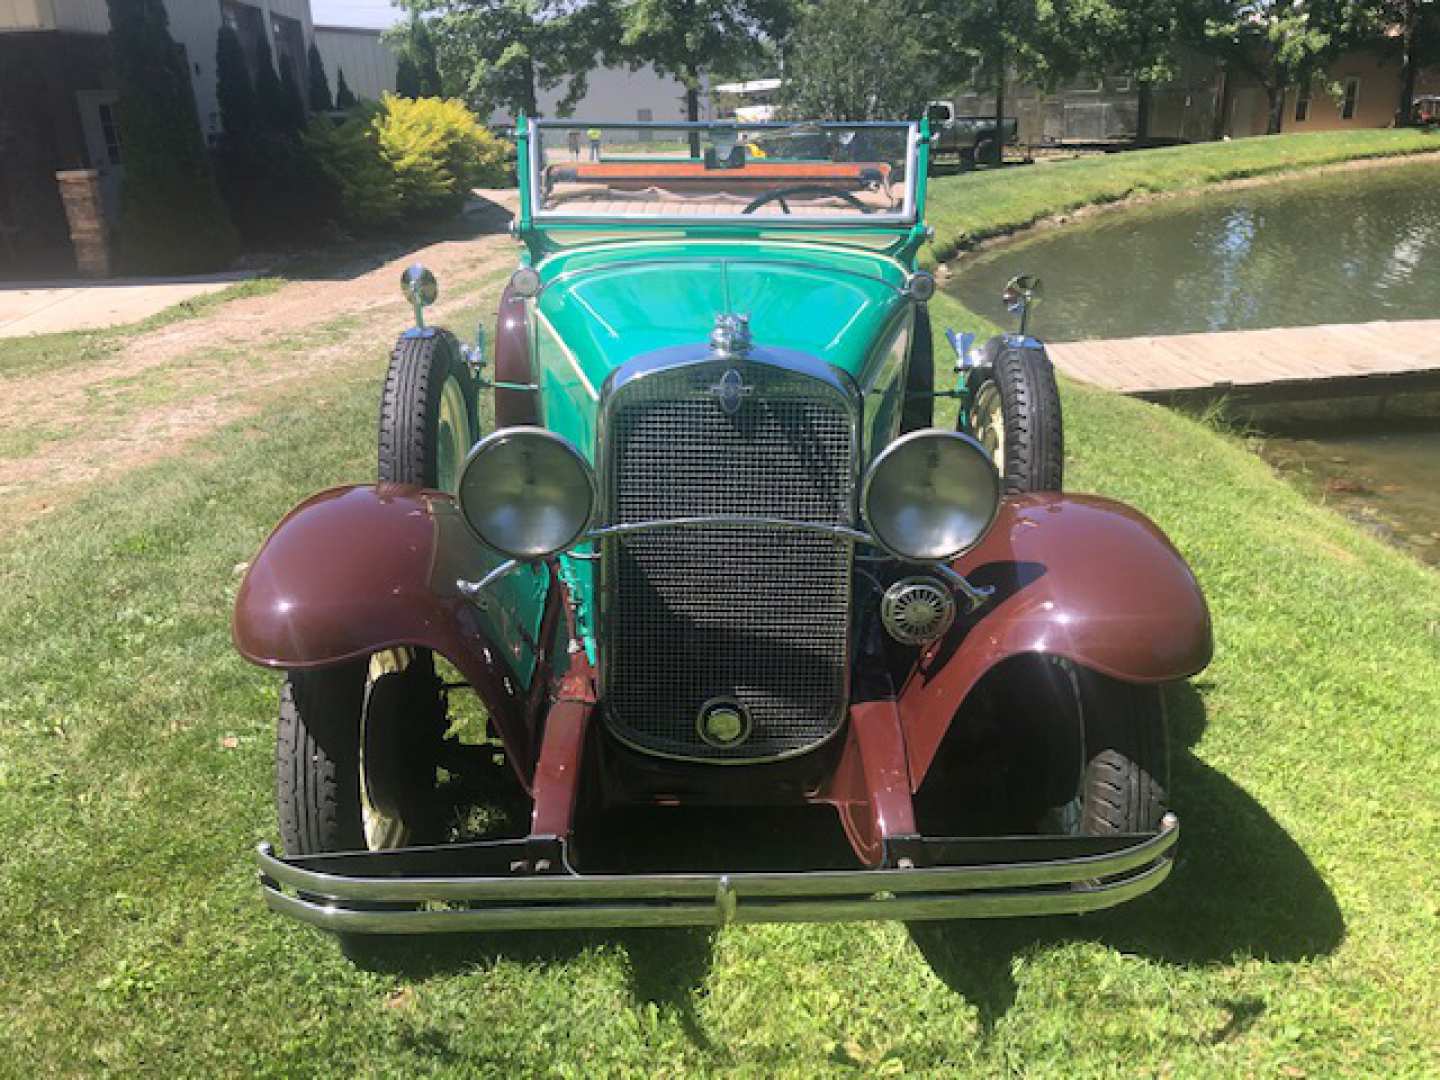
(610, 305)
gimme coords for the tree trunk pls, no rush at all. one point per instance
(1276, 94)
(1404, 115)
(692, 105)
(999, 104)
(1142, 111)
(1222, 106)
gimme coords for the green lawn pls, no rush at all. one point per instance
(1296, 936)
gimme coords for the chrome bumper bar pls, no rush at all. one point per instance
(396, 892)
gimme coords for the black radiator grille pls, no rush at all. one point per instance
(748, 614)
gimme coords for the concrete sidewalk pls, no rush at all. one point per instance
(50, 307)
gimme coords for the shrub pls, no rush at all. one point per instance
(350, 155)
(438, 151)
(171, 217)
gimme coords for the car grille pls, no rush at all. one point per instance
(749, 615)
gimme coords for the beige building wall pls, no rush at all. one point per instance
(1374, 84)
(369, 63)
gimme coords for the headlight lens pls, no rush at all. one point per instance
(527, 492)
(931, 495)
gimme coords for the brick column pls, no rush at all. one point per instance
(80, 192)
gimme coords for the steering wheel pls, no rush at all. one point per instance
(778, 195)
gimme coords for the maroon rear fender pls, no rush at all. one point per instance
(1075, 576)
(354, 570)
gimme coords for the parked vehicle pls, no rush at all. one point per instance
(1427, 109)
(973, 138)
(716, 555)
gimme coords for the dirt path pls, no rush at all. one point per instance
(73, 426)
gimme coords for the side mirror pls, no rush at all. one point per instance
(421, 289)
(1019, 293)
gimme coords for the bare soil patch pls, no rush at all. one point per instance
(167, 387)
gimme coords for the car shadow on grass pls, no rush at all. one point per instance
(1241, 888)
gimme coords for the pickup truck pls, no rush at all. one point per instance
(970, 137)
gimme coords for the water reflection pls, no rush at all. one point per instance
(1347, 247)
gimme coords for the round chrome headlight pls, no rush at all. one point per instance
(526, 492)
(930, 495)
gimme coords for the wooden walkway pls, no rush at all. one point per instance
(1338, 360)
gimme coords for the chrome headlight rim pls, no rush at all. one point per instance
(500, 438)
(887, 455)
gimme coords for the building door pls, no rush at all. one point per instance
(102, 144)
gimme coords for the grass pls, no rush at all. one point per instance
(1296, 936)
(22, 356)
(967, 209)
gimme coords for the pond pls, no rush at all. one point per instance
(1350, 246)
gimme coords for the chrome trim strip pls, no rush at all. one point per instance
(577, 901)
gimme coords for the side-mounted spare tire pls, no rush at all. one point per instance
(428, 412)
(1014, 411)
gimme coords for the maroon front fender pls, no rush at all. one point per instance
(1075, 576)
(355, 570)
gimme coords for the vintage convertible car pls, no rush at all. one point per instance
(715, 555)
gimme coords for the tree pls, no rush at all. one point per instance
(1409, 29)
(407, 78)
(892, 78)
(1280, 43)
(319, 85)
(344, 96)
(1139, 38)
(271, 102)
(295, 114)
(418, 68)
(502, 53)
(234, 92)
(687, 38)
(172, 219)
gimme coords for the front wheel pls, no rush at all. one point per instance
(1123, 759)
(1014, 413)
(428, 412)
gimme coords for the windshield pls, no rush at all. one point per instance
(801, 172)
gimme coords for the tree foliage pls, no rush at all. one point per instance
(319, 85)
(828, 78)
(1279, 43)
(1139, 38)
(687, 38)
(500, 54)
(172, 219)
(418, 66)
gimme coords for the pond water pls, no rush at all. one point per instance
(1350, 246)
(1343, 247)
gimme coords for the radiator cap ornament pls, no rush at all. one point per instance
(730, 340)
(723, 722)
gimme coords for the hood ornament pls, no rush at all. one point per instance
(730, 340)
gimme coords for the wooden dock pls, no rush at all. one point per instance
(1300, 362)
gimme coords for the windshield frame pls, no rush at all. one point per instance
(533, 213)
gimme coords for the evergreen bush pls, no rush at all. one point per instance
(344, 98)
(172, 219)
(319, 86)
(438, 151)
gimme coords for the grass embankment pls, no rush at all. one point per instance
(1296, 936)
(967, 209)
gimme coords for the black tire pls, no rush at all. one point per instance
(987, 150)
(919, 410)
(1125, 761)
(332, 720)
(317, 760)
(416, 444)
(1020, 391)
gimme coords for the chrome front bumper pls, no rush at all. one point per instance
(399, 892)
